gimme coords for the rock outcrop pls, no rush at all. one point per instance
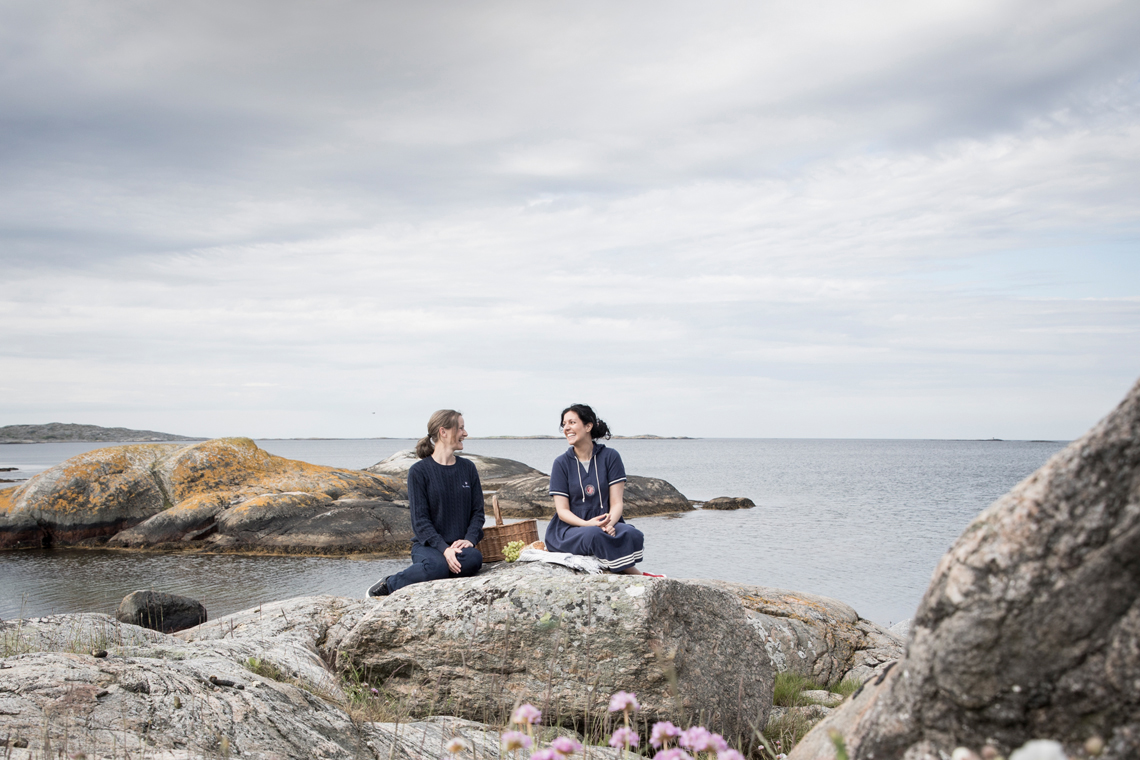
(161, 612)
(1030, 628)
(474, 647)
(225, 494)
(258, 683)
(819, 638)
(524, 492)
(89, 685)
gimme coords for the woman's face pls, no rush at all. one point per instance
(453, 437)
(573, 428)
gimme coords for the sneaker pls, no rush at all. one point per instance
(654, 575)
(379, 588)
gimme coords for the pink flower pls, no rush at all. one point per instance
(672, 754)
(564, 745)
(624, 737)
(663, 732)
(697, 739)
(526, 713)
(731, 754)
(545, 754)
(623, 700)
(513, 740)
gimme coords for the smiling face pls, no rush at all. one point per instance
(573, 428)
(453, 437)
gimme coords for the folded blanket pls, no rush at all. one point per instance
(573, 561)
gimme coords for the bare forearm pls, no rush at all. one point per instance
(617, 501)
(562, 507)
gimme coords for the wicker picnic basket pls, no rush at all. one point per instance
(496, 539)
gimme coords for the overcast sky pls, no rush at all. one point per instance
(761, 219)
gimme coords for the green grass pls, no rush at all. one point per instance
(789, 688)
(846, 687)
(266, 669)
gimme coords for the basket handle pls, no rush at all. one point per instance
(495, 506)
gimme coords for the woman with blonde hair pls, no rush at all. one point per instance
(446, 502)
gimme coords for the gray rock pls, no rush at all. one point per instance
(161, 612)
(188, 697)
(490, 468)
(901, 629)
(816, 637)
(729, 502)
(1031, 626)
(565, 642)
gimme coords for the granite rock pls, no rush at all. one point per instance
(161, 612)
(565, 642)
(816, 637)
(1030, 628)
(88, 684)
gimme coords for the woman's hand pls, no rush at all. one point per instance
(449, 553)
(601, 521)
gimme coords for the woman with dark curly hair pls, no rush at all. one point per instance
(588, 486)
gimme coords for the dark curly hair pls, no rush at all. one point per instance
(586, 414)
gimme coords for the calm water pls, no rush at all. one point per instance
(864, 521)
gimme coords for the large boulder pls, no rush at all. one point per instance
(161, 612)
(1030, 628)
(204, 494)
(524, 492)
(474, 647)
(250, 686)
(813, 636)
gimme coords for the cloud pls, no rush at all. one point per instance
(811, 219)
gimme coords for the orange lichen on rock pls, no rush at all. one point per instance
(179, 487)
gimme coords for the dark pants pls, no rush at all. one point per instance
(428, 564)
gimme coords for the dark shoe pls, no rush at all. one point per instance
(379, 588)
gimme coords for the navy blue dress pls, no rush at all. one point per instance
(588, 492)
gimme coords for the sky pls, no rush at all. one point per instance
(756, 219)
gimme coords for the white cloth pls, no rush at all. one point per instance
(572, 561)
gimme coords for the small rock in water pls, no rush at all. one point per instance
(729, 502)
(161, 612)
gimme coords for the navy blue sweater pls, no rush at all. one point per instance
(446, 502)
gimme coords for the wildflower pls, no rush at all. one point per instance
(672, 754)
(663, 732)
(731, 754)
(545, 754)
(624, 737)
(375, 691)
(513, 740)
(458, 744)
(696, 738)
(564, 745)
(526, 713)
(623, 700)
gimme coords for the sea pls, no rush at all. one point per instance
(862, 521)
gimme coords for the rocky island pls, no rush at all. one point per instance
(55, 432)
